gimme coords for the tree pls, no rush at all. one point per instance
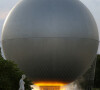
(10, 75)
(97, 73)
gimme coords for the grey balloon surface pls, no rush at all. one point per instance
(50, 40)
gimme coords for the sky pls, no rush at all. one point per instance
(93, 6)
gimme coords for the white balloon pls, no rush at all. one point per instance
(51, 40)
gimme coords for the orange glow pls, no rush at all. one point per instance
(49, 87)
(49, 84)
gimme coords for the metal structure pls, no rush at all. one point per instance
(50, 40)
(86, 82)
(90, 76)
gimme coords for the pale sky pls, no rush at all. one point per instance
(93, 6)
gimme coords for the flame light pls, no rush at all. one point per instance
(50, 84)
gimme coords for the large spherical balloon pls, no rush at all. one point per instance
(50, 40)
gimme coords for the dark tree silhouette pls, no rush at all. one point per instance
(97, 73)
(10, 75)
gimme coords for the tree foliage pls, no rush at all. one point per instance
(10, 75)
(97, 73)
